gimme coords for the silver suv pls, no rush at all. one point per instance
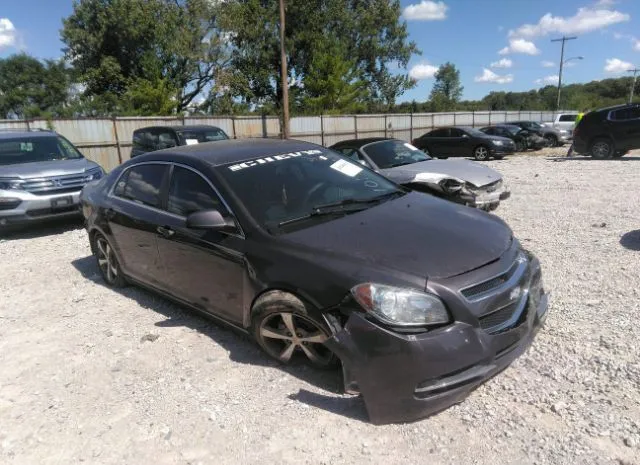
(41, 176)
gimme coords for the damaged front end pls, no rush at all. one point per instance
(406, 374)
(486, 197)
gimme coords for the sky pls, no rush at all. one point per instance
(496, 44)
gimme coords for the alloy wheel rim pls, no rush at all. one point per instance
(285, 333)
(481, 153)
(601, 149)
(107, 261)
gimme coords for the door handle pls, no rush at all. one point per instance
(165, 231)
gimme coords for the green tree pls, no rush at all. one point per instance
(447, 89)
(368, 32)
(30, 88)
(168, 45)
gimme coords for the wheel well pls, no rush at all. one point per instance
(601, 136)
(480, 145)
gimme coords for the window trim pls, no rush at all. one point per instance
(164, 193)
(610, 114)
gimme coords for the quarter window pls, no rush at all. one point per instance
(142, 184)
(190, 193)
(570, 118)
(626, 113)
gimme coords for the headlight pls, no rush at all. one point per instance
(10, 183)
(401, 307)
(93, 174)
(497, 142)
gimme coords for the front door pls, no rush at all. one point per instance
(203, 268)
(132, 216)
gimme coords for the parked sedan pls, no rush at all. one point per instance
(523, 138)
(555, 137)
(464, 142)
(319, 257)
(154, 138)
(461, 181)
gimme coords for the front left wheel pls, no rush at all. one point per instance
(284, 329)
(481, 153)
(108, 262)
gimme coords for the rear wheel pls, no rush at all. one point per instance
(520, 146)
(601, 148)
(551, 140)
(285, 329)
(481, 153)
(108, 262)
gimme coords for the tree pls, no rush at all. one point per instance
(170, 45)
(30, 88)
(447, 89)
(368, 32)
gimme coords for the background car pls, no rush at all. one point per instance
(41, 176)
(460, 181)
(609, 132)
(154, 138)
(464, 142)
(316, 256)
(555, 137)
(565, 121)
(523, 138)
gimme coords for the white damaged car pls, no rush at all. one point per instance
(461, 181)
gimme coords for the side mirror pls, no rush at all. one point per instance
(465, 136)
(209, 219)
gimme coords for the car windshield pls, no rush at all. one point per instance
(392, 153)
(535, 125)
(512, 129)
(36, 149)
(198, 136)
(300, 189)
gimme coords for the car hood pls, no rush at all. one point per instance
(46, 168)
(435, 170)
(417, 233)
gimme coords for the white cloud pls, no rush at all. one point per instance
(547, 64)
(636, 45)
(548, 80)
(489, 76)
(423, 71)
(503, 63)
(585, 20)
(520, 46)
(426, 10)
(7, 33)
(615, 65)
(605, 3)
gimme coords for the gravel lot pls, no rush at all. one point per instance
(94, 375)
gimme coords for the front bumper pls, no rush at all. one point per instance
(406, 377)
(31, 208)
(486, 199)
(501, 150)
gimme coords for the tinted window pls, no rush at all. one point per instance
(439, 133)
(189, 193)
(489, 131)
(392, 153)
(142, 184)
(455, 132)
(281, 188)
(144, 140)
(204, 135)
(166, 139)
(571, 118)
(31, 149)
(626, 113)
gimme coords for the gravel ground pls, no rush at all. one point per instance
(94, 375)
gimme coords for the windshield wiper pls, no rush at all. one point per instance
(337, 208)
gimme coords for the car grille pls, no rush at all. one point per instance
(494, 321)
(55, 184)
(491, 284)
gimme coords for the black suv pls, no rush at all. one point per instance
(609, 132)
(155, 138)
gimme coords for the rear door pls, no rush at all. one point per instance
(458, 144)
(624, 126)
(437, 141)
(132, 218)
(202, 268)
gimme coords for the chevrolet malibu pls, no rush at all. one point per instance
(317, 257)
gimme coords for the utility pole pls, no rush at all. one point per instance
(633, 83)
(563, 40)
(284, 81)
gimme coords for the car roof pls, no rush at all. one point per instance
(223, 152)
(359, 143)
(25, 133)
(191, 127)
(615, 107)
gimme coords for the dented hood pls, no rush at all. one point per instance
(435, 170)
(417, 233)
